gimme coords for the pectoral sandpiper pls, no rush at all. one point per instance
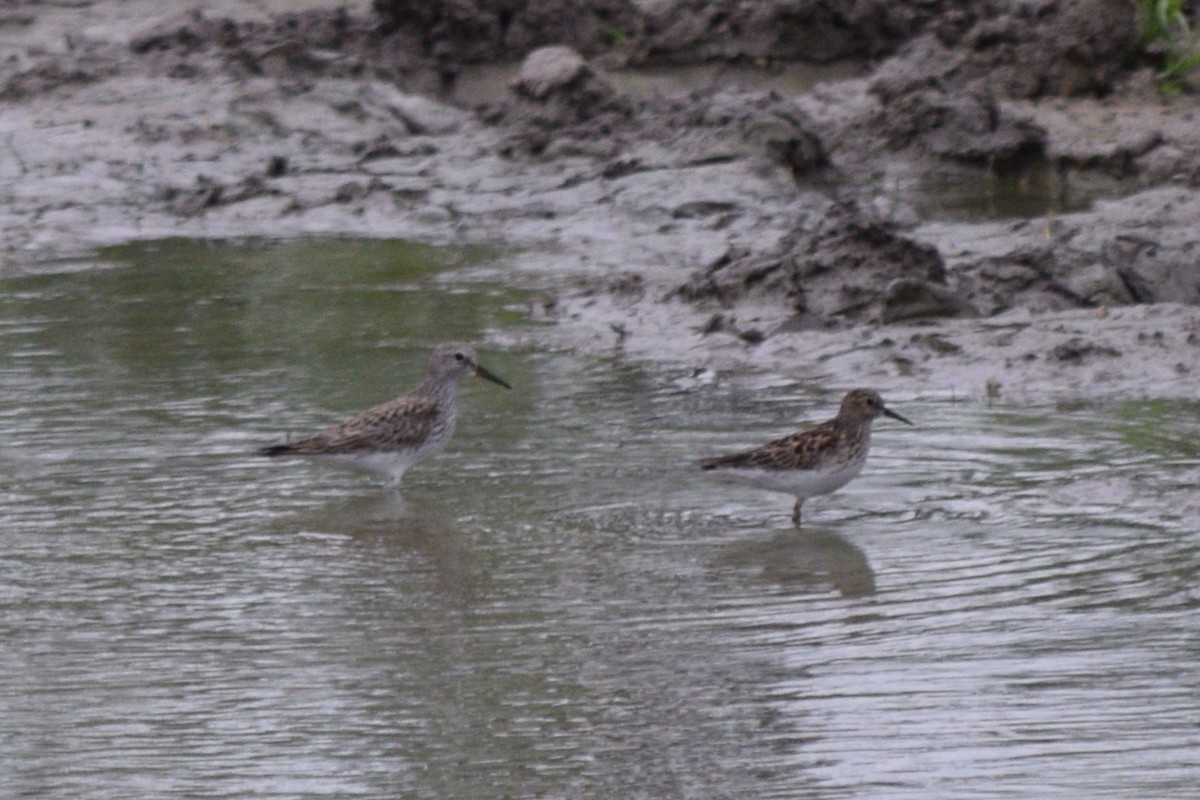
(390, 438)
(814, 461)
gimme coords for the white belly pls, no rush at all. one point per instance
(801, 483)
(390, 465)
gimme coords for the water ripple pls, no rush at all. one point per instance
(1002, 604)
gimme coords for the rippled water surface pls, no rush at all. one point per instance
(1003, 605)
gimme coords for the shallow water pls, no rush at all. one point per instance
(977, 193)
(483, 84)
(1003, 605)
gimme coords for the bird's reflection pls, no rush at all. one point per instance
(389, 525)
(807, 560)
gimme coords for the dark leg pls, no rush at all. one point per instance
(796, 513)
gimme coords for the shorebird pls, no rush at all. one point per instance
(814, 461)
(390, 438)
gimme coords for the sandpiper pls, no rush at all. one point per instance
(390, 438)
(814, 461)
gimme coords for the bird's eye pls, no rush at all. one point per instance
(459, 357)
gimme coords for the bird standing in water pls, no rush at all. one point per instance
(814, 461)
(390, 438)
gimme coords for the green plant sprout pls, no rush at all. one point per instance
(1166, 21)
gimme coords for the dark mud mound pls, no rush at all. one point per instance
(757, 124)
(406, 36)
(819, 31)
(1014, 48)
(403, 39)
(667, 31)
(480, 31)
(844, 266)
(560, 104)
(1142, 253)
(965, 125)
(91, 65)
(293, 46)
(1020, 50)
(941, 94)
(1030, 276)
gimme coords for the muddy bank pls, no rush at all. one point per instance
(715, 227)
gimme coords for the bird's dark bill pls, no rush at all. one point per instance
(887, 412)
(491, 376)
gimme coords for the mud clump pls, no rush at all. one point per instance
(208, 193)
(560, 104)
(968, 126)
(941, 94)
(328, 42)
(1140, 251)
(845, 266)
(1023, 49)
(816, 31)
(1028, 277)
(1020, 49)
(405, 42)
(659, 32)
(1077, 351)
(761, 124)
(292, 46)
(842, 267)
(90, 65)
(482, 31)
(907, 299)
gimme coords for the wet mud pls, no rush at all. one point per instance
(711, 227)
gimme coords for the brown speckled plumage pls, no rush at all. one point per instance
(813, 461)
(404, 423)
(393, 436)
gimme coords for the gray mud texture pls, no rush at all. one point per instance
(711, 225)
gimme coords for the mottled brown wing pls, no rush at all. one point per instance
(398, 425)
(807, 449)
